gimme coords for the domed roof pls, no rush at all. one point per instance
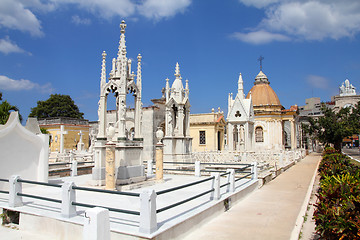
(261, 93)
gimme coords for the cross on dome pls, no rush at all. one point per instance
(261, 58)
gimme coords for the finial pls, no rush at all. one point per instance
(167, 79)
(186, 84)
(139, 57)
(122, 26)
(177, 70)
(219, 109)
(212, 110)
(104, 55)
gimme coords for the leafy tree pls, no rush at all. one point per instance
(57, 105)
(334, 126)
(5, 109)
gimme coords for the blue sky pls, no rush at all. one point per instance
(55, 46)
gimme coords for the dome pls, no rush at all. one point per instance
(262, 94)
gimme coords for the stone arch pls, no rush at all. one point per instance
(259, 134)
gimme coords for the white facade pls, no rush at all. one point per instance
(177, 140)
(240, 121)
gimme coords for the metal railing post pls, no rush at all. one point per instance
(68, 197)
(149, 168)
(96, 224)
(74, 167)
(254, 171)
(148, 221)
(15, 187)
(231, 180)
(197, 169)
(215, 195)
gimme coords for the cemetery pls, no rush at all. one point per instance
(139, 178)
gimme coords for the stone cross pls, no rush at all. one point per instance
(80, 143)
(62, 132)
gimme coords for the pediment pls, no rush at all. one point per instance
(241, 111)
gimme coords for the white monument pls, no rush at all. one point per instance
(347, 89)
(24, 151)
(240, 121)
(121, 82)
(80, 145)
(177, 140)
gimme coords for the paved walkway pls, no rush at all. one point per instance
(273, 212)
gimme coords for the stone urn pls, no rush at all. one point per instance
(111, 134)
(159, 135)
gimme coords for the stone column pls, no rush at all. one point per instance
(293, 138)
(187, 116)
(110, 180)
(230, 136)
(121, 117)
(159, 154)
(102, 117)
(180, 122)
(137, 117)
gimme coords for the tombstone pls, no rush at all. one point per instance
(128, 152)
(23, 150)
(177, 140)
(80, 145)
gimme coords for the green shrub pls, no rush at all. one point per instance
(337, 213)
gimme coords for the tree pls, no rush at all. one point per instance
(57, 105)
(334, 126)
(5, 110)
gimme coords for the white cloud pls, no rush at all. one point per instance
(14, 15)
(20, 14)
(258, 3)
(7, 46)
(259, 37)
(23, 84)
(157, 9)
(318, 82)
(309, 19)
(104, 8)
(80, 21)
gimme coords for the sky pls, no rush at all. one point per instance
(55, 46)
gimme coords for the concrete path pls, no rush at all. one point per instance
(273, 212)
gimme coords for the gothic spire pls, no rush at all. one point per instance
(138, 74)
(177, 71)
(122, 46)
(241, 87)
(103, 69)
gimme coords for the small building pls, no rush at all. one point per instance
(68, 129)
(207, 131)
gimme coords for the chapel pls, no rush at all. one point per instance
(275, 128)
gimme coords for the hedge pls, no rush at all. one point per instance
(337, 211)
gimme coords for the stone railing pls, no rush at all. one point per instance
(63, 120)
(266, 160)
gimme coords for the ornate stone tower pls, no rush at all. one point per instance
(177, 140)
(240, 118)
(120, 83)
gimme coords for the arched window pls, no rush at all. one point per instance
(259, 134)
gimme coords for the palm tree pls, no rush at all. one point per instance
(5, 109)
